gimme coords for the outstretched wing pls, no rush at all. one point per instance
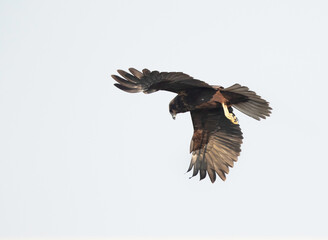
(215, 144)
(148, 82)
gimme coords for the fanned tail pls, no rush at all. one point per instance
(247, 101)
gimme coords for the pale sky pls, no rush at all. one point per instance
(80, 158)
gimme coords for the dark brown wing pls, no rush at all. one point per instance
(215, 144)
(247, 101)
(148, 82)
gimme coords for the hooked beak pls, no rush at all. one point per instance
(173, 115)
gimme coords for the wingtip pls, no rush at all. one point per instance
(126, 89)
(121, 72)
(212, 180)
(136, 73)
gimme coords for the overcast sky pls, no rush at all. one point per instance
(80, 158)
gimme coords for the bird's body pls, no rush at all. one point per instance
(198, 99)
(217, 137)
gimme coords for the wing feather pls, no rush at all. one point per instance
(136, 73)
(128, 76)
(148, 82)
(124, 82)
(215, 144)
(126, 89)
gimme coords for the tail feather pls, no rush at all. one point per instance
(248, 101)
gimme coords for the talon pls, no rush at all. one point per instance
(229, 115)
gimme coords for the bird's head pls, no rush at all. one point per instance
(173, 114)
(177, 105)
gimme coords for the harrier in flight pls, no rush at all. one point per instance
(215, 144)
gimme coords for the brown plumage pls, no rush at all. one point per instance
(217, 138)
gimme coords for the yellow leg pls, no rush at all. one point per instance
(229, 115)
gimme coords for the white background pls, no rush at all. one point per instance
(80, 158)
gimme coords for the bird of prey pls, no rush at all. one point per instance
(217, 137)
